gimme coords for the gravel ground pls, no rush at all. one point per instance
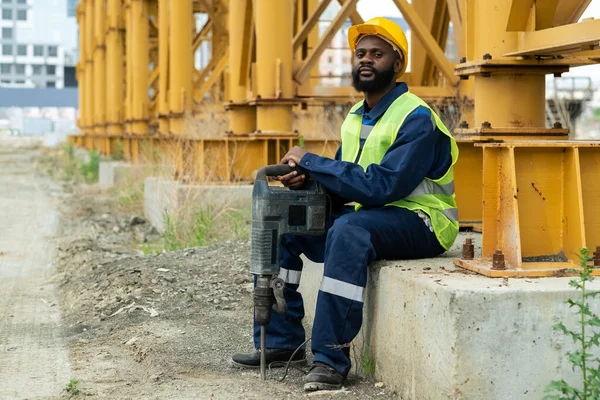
(160, 326)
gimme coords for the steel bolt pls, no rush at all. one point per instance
(486, 125)
(597, 257)
(463, 125)
(487, 56)
(468, 251)
(498, 260)
(557, 125)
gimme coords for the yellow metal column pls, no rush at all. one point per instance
(163, 66)
(180, 64)
(242, 117)
(139, 72)
(100, 75)
(180, 75)
(127, 104)
(81, 81)
(89, 72)
(274, 87)
(495, 95)
(114, 70)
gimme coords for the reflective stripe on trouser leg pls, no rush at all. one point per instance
(285, 331)
(342, 289)
(290, 276)
(338, 316)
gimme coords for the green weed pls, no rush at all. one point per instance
(204, 227)
(89, 170)
(118, 151)
(367, 363)
(72, 388)
(587, 336)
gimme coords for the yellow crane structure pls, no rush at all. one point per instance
(531, 190)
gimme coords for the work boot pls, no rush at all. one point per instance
(252, 360)
(322, 377)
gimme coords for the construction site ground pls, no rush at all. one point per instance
(86, 313)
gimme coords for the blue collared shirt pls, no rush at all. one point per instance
(420, 150)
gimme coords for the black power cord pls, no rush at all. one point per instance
(289, 364)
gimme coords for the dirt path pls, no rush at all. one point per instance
(33, 353)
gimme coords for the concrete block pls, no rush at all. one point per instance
(111, 173)
(165, 196)
(437, 332)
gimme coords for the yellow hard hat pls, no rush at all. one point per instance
(384, 28)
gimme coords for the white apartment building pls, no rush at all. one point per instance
(38, 39)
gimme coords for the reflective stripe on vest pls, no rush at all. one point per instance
(434, 197)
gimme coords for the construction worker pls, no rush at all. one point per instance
(395, 163)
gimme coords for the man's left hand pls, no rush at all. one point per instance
(293, 156)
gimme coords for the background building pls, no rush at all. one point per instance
(38, 43)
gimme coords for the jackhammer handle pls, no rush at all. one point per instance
(273, 170)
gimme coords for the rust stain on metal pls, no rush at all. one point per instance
(538, 191)
(468, 251)
(498, 260)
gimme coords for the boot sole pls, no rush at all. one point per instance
(314, 386)
(280, 364)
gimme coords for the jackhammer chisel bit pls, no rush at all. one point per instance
(278, 211)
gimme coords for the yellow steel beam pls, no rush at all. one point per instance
(99, 68)
(202, 35)
(569, 11)
(89, 64)
(214, 75)
(163, 66)
(332, 29)
(591, 54)
(128, 66)
(140, 58)
(563, 39)
(439, 30)
(354, 15)
(433, 49)
(81, 70)
(202, 75)
(456, 9)
(242, 71)
(114, 69)
(418, 58)
(544, 13)
(242, 118)
(309, 24)
(519, 14)
(180, 63)
(274, 58)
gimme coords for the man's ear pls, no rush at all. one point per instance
(398, 64)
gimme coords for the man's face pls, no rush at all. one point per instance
(375, 65)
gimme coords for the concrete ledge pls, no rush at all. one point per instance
(111, 173)
(436, 332)
(165, 196)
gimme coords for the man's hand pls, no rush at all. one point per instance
(292, 158)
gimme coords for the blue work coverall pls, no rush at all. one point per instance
(354, 239)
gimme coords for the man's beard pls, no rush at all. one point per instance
(380, 80)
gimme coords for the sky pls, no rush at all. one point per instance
(373, 8)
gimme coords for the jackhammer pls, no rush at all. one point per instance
(278, 211)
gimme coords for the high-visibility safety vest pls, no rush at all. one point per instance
(434, 197)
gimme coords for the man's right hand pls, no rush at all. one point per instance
(292, 180)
